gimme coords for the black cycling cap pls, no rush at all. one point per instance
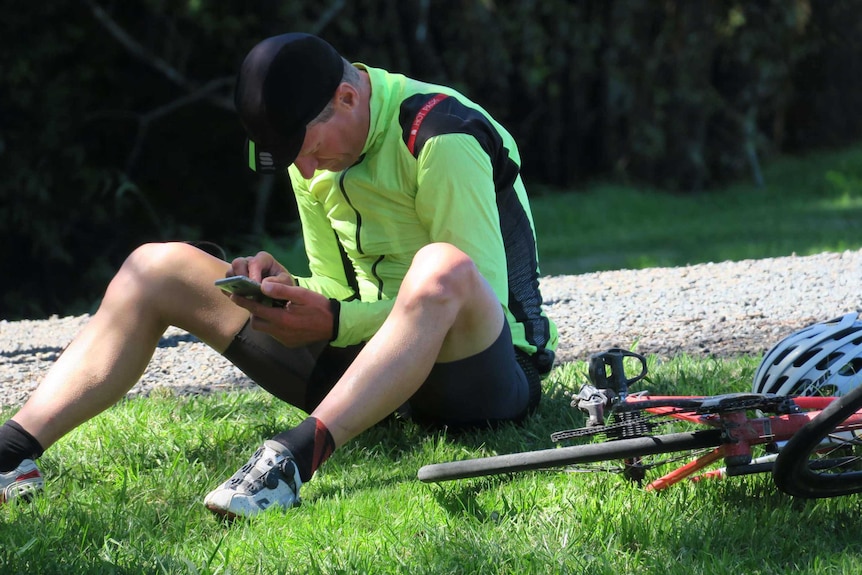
(284, 83)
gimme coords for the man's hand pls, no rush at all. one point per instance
(261, 266)
(306, 318)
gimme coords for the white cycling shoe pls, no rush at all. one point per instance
(269, 479)
(22, 482)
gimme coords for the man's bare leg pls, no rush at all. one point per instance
(445, 311)
(158, 286)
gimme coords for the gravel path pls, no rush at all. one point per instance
(721, 309)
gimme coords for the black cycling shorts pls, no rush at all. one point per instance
(498, 384)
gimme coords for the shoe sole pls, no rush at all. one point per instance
(223, 513)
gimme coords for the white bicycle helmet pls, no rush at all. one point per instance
(822, 359)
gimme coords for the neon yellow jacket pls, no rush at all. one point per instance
(460, 184)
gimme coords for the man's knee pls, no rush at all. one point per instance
(440, 270)
(156, 260)
(158, 268)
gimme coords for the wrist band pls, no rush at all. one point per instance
(335, 308)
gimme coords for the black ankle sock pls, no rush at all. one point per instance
(16, 445)
(310, 443)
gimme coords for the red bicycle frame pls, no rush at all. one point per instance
(741, 433)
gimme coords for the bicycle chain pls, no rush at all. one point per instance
(626, 424)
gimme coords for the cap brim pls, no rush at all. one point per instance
(273, 158)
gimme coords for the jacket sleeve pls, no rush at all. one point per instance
(457, 203)
(360, 320)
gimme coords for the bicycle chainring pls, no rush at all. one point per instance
(623, 425)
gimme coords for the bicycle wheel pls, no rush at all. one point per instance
(589, 453)
(824, 458)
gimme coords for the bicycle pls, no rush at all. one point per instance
(811, 444)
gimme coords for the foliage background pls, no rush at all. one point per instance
(117, 123)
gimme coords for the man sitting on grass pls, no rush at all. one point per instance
(423, 292)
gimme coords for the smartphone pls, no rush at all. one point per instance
(247, 288)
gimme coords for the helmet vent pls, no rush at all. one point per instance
(781, 356)
(852, 367)
(828, 390)
(802, 359)
(841, 334)
(829, 360)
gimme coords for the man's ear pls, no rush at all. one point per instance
(346, 95)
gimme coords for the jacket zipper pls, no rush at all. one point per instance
(358, 236)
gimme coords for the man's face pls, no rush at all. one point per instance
(334, 145)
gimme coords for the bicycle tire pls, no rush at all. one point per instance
(588, 453)
(805, 466)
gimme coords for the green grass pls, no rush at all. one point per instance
(807, 206)
(124, 496)
(124, 491)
